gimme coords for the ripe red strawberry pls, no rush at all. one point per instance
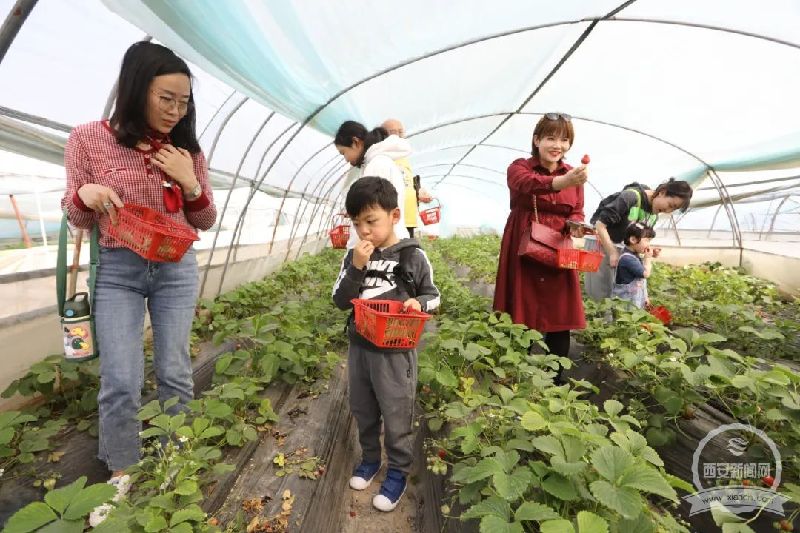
(768, 480)
(585, 159)
(442, 453)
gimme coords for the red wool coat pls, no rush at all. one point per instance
(541, 297)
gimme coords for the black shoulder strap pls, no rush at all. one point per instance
(402, 273)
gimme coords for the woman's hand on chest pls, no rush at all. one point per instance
(177, 164)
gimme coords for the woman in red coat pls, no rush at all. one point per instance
(543, 298)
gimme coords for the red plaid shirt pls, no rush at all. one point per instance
(93, 155)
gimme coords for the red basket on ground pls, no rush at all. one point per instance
(432, 215)
(661, 313)
(577, 259)
(384, 324)
(152, 235)
(340, 233)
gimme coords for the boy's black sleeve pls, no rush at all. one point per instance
(348, 283)
(427, 293)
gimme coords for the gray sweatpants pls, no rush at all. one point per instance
(598, 284)
(384, 384)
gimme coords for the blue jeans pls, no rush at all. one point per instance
(125, 281)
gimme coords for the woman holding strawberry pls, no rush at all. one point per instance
(542, 297)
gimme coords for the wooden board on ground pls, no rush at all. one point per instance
(432, 493)
(278, 394)
(321, 427)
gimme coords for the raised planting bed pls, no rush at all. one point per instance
(310, 453)
(699, 414)
(77, 450)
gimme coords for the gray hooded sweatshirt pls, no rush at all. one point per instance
(355, 283)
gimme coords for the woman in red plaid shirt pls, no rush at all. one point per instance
(146, 154)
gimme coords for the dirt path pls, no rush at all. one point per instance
(362, 517)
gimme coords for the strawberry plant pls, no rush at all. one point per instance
(524, 454)
(281, 336)
(681, 368)
(63, 509)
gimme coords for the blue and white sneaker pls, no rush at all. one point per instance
(392, 489)
(364, 474)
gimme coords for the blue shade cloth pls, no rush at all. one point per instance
(370, 62)
(656, 89)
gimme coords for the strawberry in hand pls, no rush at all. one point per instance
(585, 159)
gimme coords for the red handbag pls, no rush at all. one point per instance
(540, 243)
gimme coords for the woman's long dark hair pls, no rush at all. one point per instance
(142, 62)
(350, 129)
(676, 189)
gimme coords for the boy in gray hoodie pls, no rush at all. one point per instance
(383, 381)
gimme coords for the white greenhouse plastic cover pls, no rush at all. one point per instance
(656, 88)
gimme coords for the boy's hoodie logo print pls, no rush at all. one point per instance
(374, 286)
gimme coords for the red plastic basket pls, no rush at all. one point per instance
(152, 235)
(384, 324)
(577, 259)
(661, 313)
(340, 233)
(432, 215)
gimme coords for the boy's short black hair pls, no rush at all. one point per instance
(640, 231)
(370, 191)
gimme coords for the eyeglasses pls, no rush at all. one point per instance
(168, 103)
(556, 116)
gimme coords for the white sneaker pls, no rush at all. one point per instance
(100, 513)
(363, 475)
(383, 503)
(392, 490)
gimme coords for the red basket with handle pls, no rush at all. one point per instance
(152, 235)
(340, 233)
(386, 325)
(577, 259)
(661, 313)
(432, 215)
